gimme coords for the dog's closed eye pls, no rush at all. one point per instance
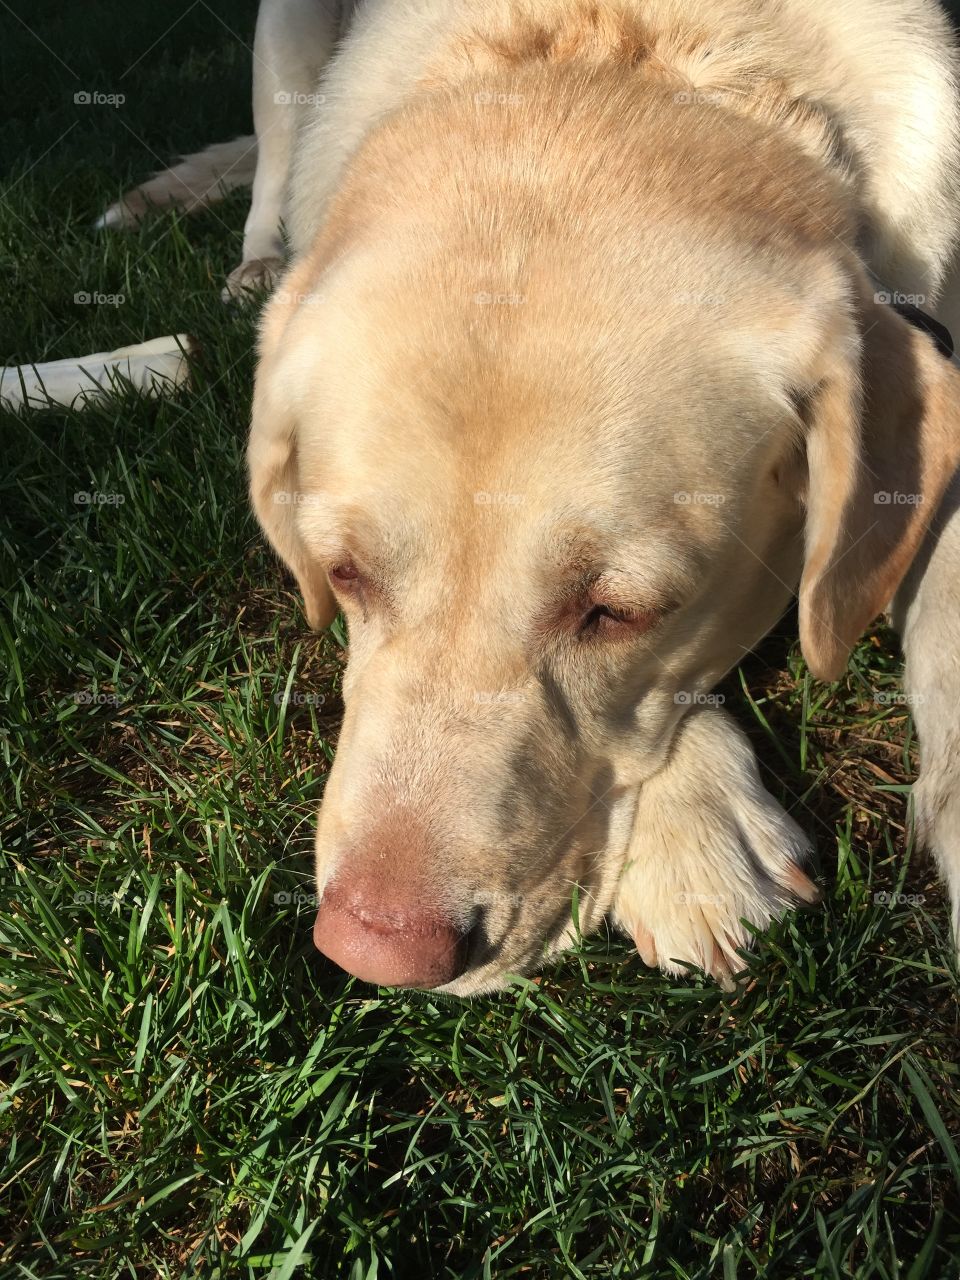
(344, 575)
(351, 585)
(616, 622)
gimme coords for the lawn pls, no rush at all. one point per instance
(188, 1087)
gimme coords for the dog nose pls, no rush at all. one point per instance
(390, 940)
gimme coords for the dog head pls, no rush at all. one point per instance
(562, 440)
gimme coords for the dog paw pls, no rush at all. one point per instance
(124, 215)
(256, 275)
(710, 849)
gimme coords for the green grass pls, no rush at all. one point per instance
(189, 1088)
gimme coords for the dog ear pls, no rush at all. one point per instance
(883, 441)
(273, 468)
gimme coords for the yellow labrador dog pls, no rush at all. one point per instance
(584, 365)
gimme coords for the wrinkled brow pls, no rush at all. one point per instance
(331, 528)
(649, 572)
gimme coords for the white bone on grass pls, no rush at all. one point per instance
(157, 367)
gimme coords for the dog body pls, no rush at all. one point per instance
(868, 89)
(577, 374)
(878, 82)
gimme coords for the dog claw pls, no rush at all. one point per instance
(801, 885)
(646, 946)
(720, 969)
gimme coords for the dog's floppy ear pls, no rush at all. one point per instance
(272, 463)
(883, 440)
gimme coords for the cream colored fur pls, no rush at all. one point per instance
(579, 312)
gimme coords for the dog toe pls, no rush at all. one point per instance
(256, 275)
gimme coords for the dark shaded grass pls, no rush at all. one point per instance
(189, 1088)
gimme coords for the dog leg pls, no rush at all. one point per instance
(710, 846)
(926, 612)
(195, 182)
(293, 40)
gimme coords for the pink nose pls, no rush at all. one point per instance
(392, 941)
